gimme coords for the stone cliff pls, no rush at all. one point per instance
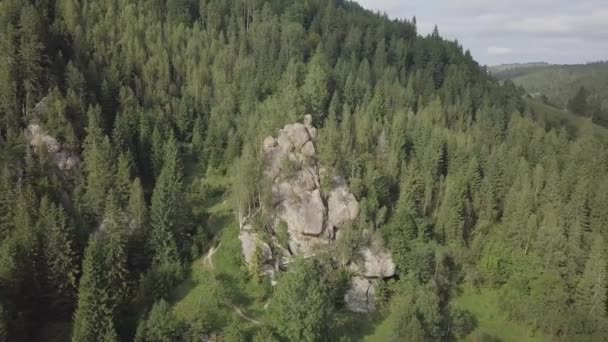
(313, 219)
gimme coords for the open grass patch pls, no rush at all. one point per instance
(492, 323)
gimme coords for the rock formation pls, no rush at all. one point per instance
(360, 296)
(39, 139)
(250, 242)
(313, 218)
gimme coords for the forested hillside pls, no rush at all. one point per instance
(581, 89)
(122, 120)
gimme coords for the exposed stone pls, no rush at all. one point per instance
(360, 297)
(342, 205)
(40, 140)
(66, 161)
(270, 272)
(308, 149)
(250, 242)
(378, 263)
(299, 136)
(269, 143)
(304, 212)
(284, 142)
(308, 120)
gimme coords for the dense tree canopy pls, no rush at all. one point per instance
(463, 180)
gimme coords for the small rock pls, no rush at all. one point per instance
(308, 120)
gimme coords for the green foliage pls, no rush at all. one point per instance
(300, 307)
(462, 177)
(581, 89)
(103, 288)
(60, 257)
(160, 325)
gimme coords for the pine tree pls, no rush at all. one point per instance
(103, 287)
(30, 53)
(578, 104)
(160, 325)
(314, 91)
(98, 164)
(136, 208)
(591, 289)
(300, 306)
(165, 206)
(94, 306)
(452, 213)
(61, 260)
(123, 180)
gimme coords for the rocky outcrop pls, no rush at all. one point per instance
(314, 219)
(342, 205)
(377, 264)
(360, 297)
(290, 162)
(40, 140)
(250, 242)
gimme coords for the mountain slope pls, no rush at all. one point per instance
(166, 104)
(560, 84)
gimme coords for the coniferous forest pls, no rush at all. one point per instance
(122, 121)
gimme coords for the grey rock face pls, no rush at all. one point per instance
(360, 296)
(40, 140)
(289, 162)
(250, 242)
(378, 263)
(342, 205)
(314, 220)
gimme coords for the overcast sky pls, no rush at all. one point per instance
(507, 31)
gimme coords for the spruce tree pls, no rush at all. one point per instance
(61, 260)
(591, 289)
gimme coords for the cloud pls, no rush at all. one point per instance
(563, 25)
(556, 31)
(499, 51)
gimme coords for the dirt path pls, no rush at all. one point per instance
(207, 260)
(245, 317)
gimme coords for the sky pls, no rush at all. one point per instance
(512, 31)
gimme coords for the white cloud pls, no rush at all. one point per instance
(499, 31)
(499, 51)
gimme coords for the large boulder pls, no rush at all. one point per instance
(250, 242)
(342, 206)
(378, 262)
(303, 212)
(360, 297)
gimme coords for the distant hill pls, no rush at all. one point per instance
(505, 71)
(582, 89)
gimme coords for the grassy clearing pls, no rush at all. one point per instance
(206, 289)
(493, 324)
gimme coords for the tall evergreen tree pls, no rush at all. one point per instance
(591, 289)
